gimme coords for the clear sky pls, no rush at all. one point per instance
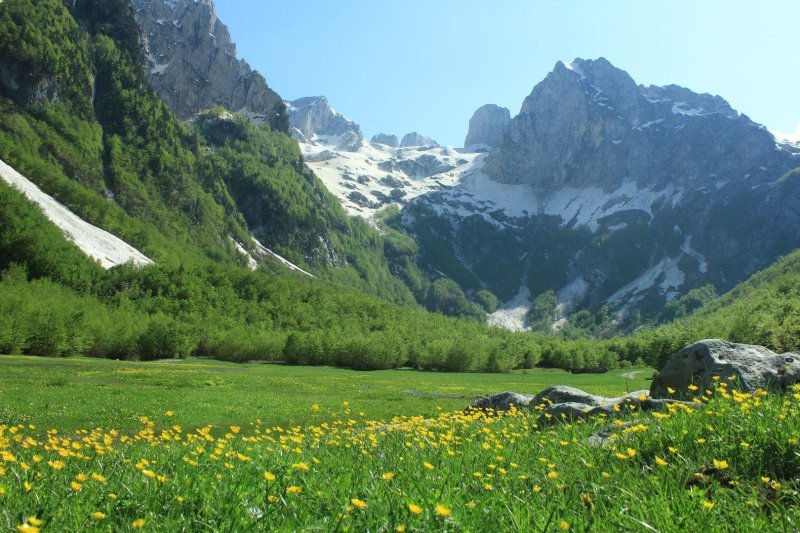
(426, 65)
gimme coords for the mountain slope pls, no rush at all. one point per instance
(192, 63)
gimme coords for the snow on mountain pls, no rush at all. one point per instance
(99, 244)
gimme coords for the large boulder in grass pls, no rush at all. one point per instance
(564, 394)
(571, 411)
(502, 401)
(743, 366)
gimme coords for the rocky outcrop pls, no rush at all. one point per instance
(386, 140)
(313, 116)
(488, 125)
(743, 366)
(417, 139)
(192, 63)
(568, 404)
(502, 401)
(589, 124)
(424, 166)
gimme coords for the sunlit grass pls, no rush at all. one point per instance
(730, 464)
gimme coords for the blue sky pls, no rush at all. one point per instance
(426, 65)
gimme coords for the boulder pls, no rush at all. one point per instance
(744, 366)
(502, 401)
(564, 394)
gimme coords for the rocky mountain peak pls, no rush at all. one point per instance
(385, 139)
(192, 63)
(313, 116)
(417, 139)
(589, 124)
(487, 125)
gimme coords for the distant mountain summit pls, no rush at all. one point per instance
(589, 123)
(313, 116)
(488, 125)
(192, 63)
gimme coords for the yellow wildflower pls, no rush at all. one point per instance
(76, 486)
(722, 465)
(300, 466)
(97, 515)
(441, 510)
(388, 476)
(660, 461)
(269, 476)
(563, 525)
(294, 489)
(414, 509)
(361, 504)
(138, 523)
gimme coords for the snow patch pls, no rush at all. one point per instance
(686, 248)
(665, 270)
(264, 251)
(97, 243)
(574, 291)
(513, 315)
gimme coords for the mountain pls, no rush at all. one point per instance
(602, 205)
(488, 125)
(387, 139)
(589, 124)
(312, 117)
(417, 139)
(192, 63)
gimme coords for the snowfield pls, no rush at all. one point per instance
(99, 244)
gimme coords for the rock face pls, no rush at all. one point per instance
(192, 63)
(611, 193)
(416, 139)
(589, 124)
(313, 116)
(488, 125)
(385, 139)
(745, 367)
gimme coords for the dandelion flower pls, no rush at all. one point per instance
(76, 486)
(300, 466)
(27, 528)
(361, 504)
(97, 515)
(721, 465)
(269, 476)
(563, 525)
(32, 520)
(427, 465)
(552, 475)
(414, 509)
(294, 489)
(441, 510)
(660, 461)
(388, 476)
(708, 505)
(138, 523)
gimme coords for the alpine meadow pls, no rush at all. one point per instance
(224, 309)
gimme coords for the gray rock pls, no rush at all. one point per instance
(590, 124)
(363, 180)
(564, 394)
(391, 181)
(325, 155)
(743, 366)
(488, 125)
(192, 63)
(349, 141)
(313, 116)
(388, 166)
(382, 198)
(397, 194)
(360, 200)
(424, 166)
(502, 401)
(385, 139)
(416, 139)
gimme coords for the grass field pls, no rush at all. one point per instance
(83, 393)
(728, 464)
